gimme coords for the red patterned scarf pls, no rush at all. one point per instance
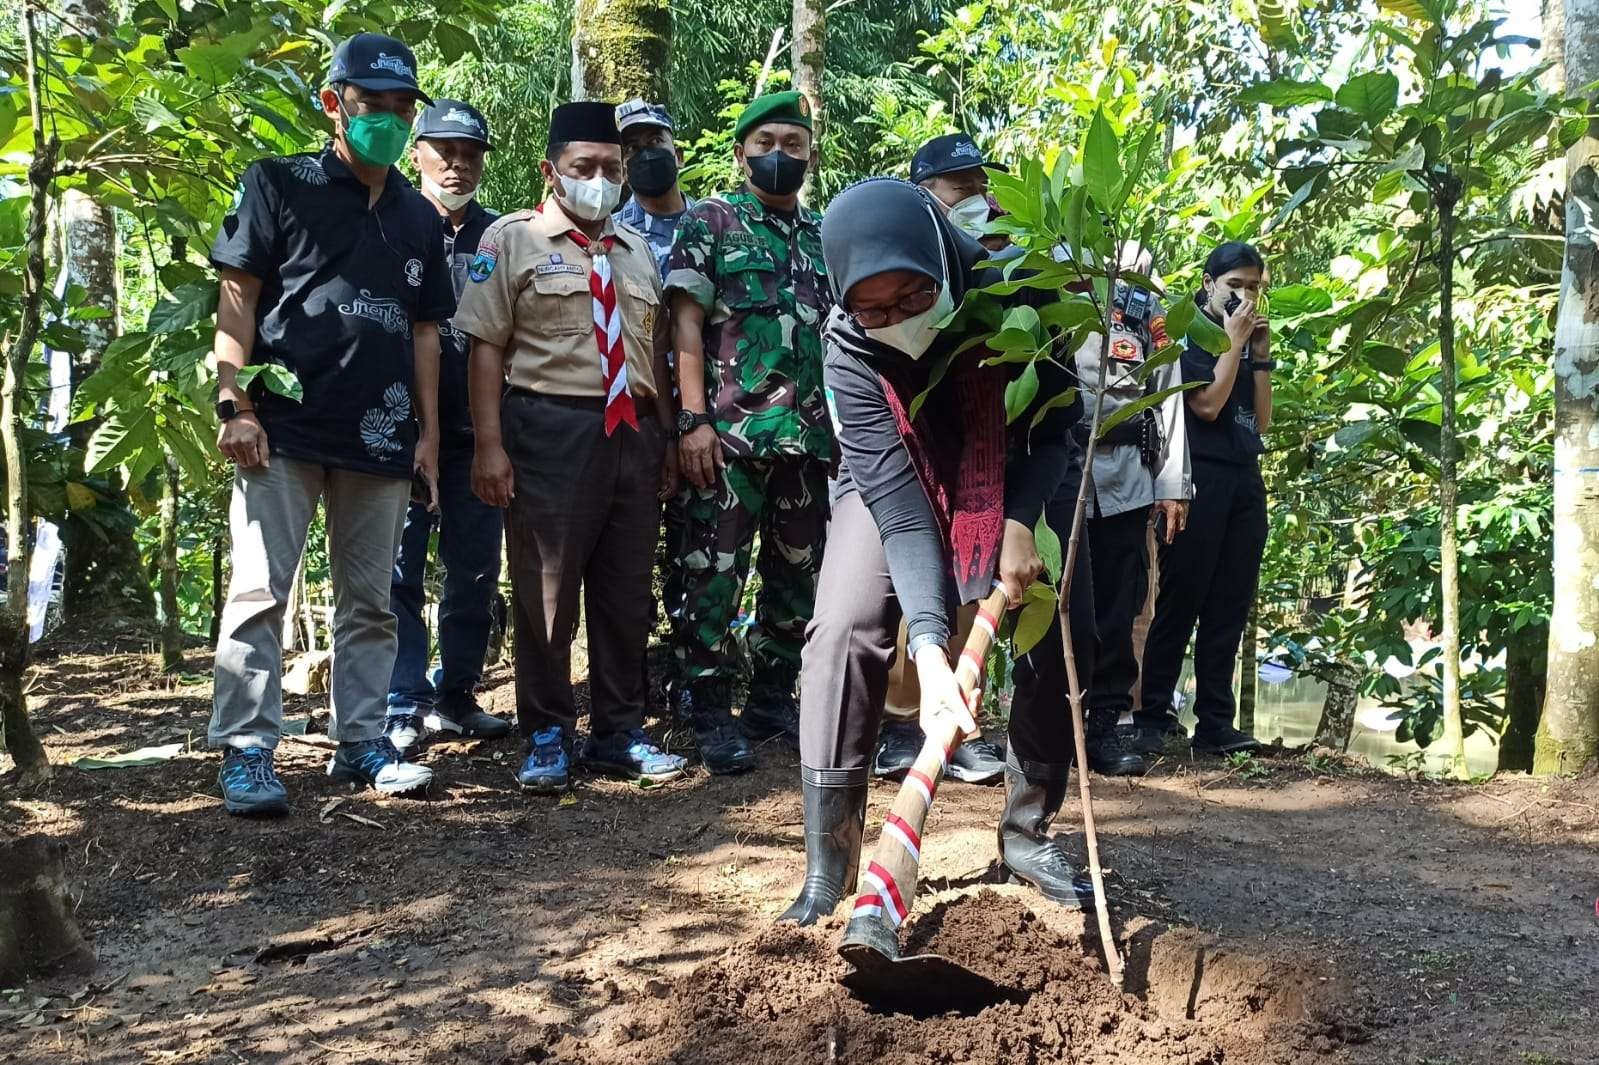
(608, 333)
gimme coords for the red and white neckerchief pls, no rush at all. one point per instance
(608, 332)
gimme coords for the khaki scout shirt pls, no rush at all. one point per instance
(529, 294)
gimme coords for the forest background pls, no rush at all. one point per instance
(1403, 164)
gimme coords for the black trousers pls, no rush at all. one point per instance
(1208, 577)
(1121, 582)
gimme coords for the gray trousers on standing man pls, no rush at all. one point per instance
(269, 518)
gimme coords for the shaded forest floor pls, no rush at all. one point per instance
(1442, 924)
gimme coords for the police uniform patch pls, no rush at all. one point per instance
(1157, 330)
(1124, 350)
(483, 264)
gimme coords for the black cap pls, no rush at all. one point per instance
(945, 155)
(453, 120)
(374, 61)
(585, 120)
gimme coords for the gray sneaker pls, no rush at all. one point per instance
(250, 786)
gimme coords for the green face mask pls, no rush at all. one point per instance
(378, 138)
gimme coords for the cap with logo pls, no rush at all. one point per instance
(584, 120)
(791, 108)
(376, 62)
(453, 120)
(642, 113)
(947, 154)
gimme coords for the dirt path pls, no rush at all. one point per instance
(1343, 917)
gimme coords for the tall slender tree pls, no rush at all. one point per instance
(1568, 737)
(621, 49)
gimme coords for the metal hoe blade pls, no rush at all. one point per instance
(925, 983)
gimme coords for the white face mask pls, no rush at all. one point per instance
(590, 198)
(916, 334)
(970, 215)
(451, 201)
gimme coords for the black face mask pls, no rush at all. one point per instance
(1232, 303)
(652, 172)
(777, 172)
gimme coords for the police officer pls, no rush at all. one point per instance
(451, 139)
(749, 294)
(333, 270)
(1140, 467)
(566, 307)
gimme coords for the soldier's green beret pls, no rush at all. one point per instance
(790, 107)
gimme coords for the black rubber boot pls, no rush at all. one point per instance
(1033, 794)
(703, 706)
(835, 817)
(1108, 753)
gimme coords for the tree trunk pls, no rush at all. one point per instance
(807, 54)
(622, 49)
(103, 575)
(1248, 671)
(1337, 722)
(1568, 736)
(37, 929)
(1526, 658)
(25, 748)
(171, 612)
(1447, 191)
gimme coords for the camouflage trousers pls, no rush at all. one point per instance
(785, 500)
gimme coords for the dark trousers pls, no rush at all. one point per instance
(583, 523)
(469, 549)
(1120, 585)
(849, 650)
(1207, 577)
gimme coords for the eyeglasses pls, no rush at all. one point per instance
(877, 317)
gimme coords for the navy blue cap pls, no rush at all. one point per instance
(642, 113)
(945, 155)
(374, 61)
(453, 120)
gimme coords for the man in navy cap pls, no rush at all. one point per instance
(327, 347)
(651, 160)
(952, 168)
(451, 139)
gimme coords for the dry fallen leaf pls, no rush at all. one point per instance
(329, 807)
(358, 819)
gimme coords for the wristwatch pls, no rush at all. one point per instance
(227, 410)
(1263, 364)
(688, 421)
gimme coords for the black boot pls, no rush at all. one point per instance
(1108, 753)
(703, 706)
(772, 712)
(1033, 794)
(835, 817)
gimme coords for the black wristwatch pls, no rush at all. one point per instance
(1263, 364)
(227, 410)
(688, 421)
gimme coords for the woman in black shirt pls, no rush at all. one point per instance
(927, 512)
(1209, 572)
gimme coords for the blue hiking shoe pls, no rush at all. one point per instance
(250, 786)
(548, 767)
(377, 764)
(631, 754)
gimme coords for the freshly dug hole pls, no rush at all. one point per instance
(776, 998)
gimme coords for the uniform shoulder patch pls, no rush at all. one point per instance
(488, 245)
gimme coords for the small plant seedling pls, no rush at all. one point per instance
(1246, 765)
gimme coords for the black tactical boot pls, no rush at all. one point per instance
(1033, 794)
(772, 712)
(1108, 754)
(703, 706)
(835, 817)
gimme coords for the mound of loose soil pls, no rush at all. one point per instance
(777, 998)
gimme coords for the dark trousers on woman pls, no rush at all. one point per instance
(582, 527)
(1208, 576)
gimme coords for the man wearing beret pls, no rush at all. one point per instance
(565, 307)
(749, 294)
(333, 276)
(451, 139)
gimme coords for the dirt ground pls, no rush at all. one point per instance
(1296, 911)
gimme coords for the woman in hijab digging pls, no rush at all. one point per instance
(928, 511)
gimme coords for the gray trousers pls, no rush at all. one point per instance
(269, 517)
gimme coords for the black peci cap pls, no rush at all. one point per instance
(945, 155)
(584, 120)
(374, 61)
(453, 120)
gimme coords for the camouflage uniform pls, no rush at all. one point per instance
(759, 276)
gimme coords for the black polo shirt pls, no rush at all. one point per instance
(342, 285)
(460, 247)
(1235, 434)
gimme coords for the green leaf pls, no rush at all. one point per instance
(1372, 95)
(1019, 393)
(1206, 333)
(1063, 315)
(1180, 317)
(1102, 162)
(1295, 300)
(1422, 434)
(1286, 92)
(453, 41)
(144, 756)
(1143, 403)
(1048, 547)
(1024, 318)
(1385, 359)
(80, 496)
(169, 8)
(191, 304)
(1064, 398)
(1412, 158)
(1411, 9)
(119, 438)
(1039, 607)
(1351, 436)
(1276, 26)
(279, 379)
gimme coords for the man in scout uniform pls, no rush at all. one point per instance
(566, 307)
(749, 294)
(1141, 473)
(333, 274)
(451, 139)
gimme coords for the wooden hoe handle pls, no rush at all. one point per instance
(889, 885)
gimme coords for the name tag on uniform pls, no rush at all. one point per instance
(555, 266)
(739, 238)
